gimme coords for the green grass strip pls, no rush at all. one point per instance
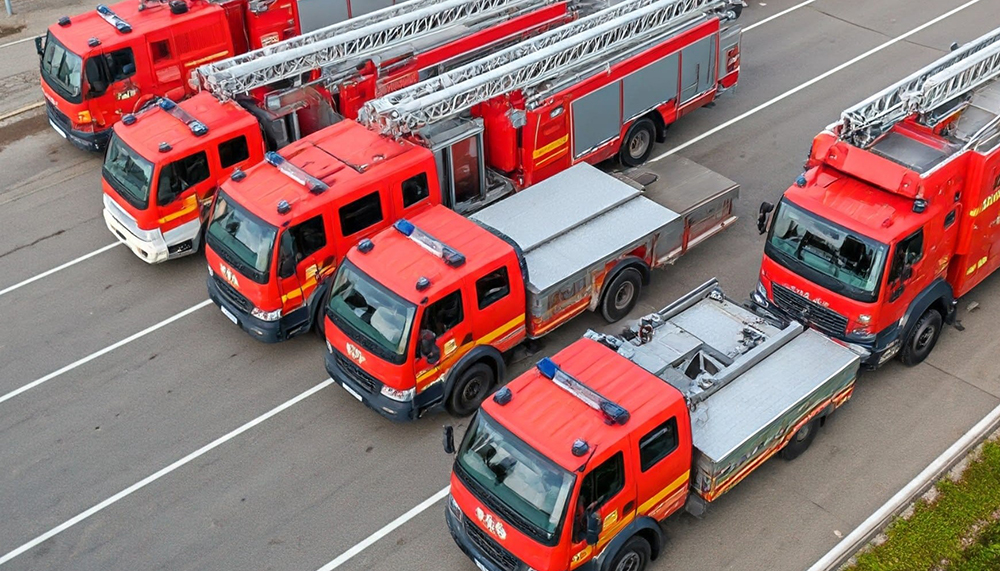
(933, 536)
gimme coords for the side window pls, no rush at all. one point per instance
(121, 64)
(444, 314)
(415, 189)
(600, 485)
(360, 214)
(492, 287)
(180, 175)
(233, 151)
(908, 252)
(658, 444)
(160, 50)
(309, 237)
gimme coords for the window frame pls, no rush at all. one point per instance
(484, 301)
(111, 62)
(895, 274)
(297, 242)
(619, 459)
(458, 321)
(170, 167)
(646, 464)
(345, 221)
(421, 181)
(222, 154)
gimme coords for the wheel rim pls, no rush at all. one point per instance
(924, 338)
(802, 434)
(623, 297)
(638, 144)
(630, 562)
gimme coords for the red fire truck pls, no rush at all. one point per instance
(156, 200)
(349, 182)
(421, 315)
(573, 464)
(101, 64)
(896, 216)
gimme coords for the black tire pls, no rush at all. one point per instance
(800, 440)
(471, 389)
(638, 143)
(621, 294)
(319, 317)
(633, 556)
(922, 338)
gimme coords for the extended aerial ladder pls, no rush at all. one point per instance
(338, 49)
(538, 65)
(932, 89)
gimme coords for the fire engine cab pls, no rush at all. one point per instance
(895, 217)
(105, 63)
(573, 464)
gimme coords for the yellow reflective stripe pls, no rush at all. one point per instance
(485, 339)
(662, 494)
(190, 205)
(550, 147)
(216, 55)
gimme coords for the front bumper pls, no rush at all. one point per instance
(237, 308)
(152, 246)
(367, 388)
(82, 140)
(456, 525)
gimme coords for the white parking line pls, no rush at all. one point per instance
(104, 351)
(350, 553)
(156, 476)
(778, 15)
(814, 81)
(58, 268)
(15, 42)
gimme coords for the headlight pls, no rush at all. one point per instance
(398, 395)
(329, 347)
(266, 315)
(453, 503)
(210, 271)
(761, 290)
(864, 319)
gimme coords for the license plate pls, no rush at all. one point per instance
(351, 392)
(229, 315)
(58, 130)
(480, 565)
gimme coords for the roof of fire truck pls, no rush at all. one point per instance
(397, 262)
(156, 126)
(90, 24)
(347, 157)
(550, 419)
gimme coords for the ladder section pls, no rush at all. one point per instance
(533, 62)
(953, 75)
(349, 43)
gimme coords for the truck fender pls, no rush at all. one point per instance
(486, 353)
(645, 526)
(629, 262)
(317, 297)
(938, 291)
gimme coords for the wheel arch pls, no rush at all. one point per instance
(479, 354)
(938, 295)
(644, 527)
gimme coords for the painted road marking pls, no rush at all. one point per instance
(58, 268)
(778, 15)
(15, 42)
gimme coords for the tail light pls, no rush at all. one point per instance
(733, 59)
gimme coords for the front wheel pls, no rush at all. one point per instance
(638, 143)
(621, 294)
(319, 318)
(633, 556)
(922, 338)
(471, 389)
(800, 440)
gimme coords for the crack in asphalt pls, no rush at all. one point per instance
(874, 31)
(956, 377)
(30, 244)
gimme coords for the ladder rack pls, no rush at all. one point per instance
(347, 44)
(951, 76)
(533, 62)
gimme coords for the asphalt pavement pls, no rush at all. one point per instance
(134, 437)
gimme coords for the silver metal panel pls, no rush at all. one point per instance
(650, 86)
(316, 14)
(729, 38)
(682, 184)
(698, 68)
(596, 118)
(362, 7)
(556, 205)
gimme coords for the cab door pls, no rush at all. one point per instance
(309, 247)
(448, 320)
(609, 491)
(286, 270)
(182, 186)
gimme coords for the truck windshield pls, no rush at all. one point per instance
(128, 173)
(827, 254)
(370, 314)
(502, 468)
(241, 239)
(62, 70)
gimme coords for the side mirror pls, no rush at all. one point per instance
(286, 267)
(765, 209)
(428, 347)
(594, 526)
(40, 45)
(907, 273)
(449, 439)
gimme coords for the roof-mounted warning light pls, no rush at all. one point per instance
(613, 412)
(315, 185)
(64, 21)
(197, 127)
(113, 19)
(451, 256)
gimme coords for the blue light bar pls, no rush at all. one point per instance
(451, 256)
(613, 412)
(110, 17)
(197, 127)
(295, 173)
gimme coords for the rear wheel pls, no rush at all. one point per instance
(633, 556)
(800, 440)
(471, 389)
(621, 294)
(922, 338)
(638, 143)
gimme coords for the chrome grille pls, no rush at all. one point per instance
(232, 296)
(356, 373)
(490, 548)
(814, 314)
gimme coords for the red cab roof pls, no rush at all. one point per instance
(397, 262)
(155, 126)
(549, 419)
